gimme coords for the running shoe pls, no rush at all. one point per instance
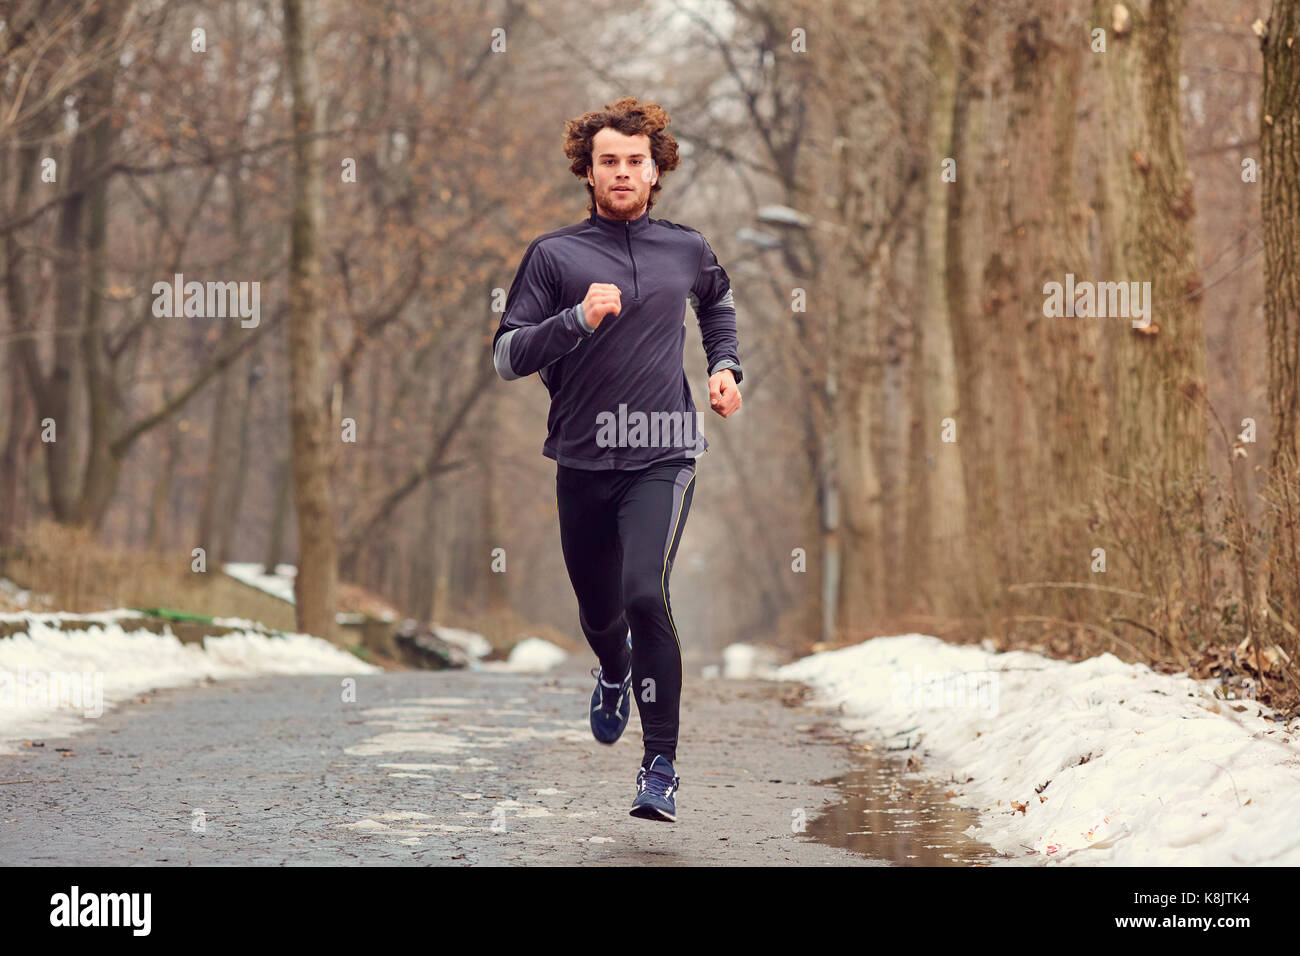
(655, 786)
(611, 704)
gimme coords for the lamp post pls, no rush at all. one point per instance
(791, 222)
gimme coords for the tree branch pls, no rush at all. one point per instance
(124, 440)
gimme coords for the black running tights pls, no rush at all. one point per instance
(619, 531)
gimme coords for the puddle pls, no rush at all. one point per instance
(889, 813)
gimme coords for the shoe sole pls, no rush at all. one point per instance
(652, 813)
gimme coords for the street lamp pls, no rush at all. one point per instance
(791, 221)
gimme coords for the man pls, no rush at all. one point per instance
(597, 310)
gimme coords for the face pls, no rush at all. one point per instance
(622, 173)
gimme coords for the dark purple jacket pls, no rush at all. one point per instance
(619, 394)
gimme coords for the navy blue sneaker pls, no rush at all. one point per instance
(611, 704)
(655, 787)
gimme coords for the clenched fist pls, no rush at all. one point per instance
(724, 393)
(603, 298)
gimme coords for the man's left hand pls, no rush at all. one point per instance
(724, 393)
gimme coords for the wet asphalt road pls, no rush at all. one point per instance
(425, 768)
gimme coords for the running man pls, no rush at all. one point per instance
(598, 310)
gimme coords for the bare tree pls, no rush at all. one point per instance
(316, 583)
(1280, 206)
(1158, 414)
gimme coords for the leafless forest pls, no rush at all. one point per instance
(1017, 286)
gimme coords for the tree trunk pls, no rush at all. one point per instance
(496, 595)
(316, 583)
(1280, 207)
(227, 549)
(213, 534)
(424, 560)
(19, 426)
(162, 489)
(103, 407)
(279, 516)
(974, 420)
(1158, 414)
(55, 393)
(936, 561)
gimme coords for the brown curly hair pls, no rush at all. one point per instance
(631, 118)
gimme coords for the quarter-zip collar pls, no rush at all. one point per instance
(619, 227)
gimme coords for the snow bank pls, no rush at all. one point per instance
(52, 681)
(18, 596)
(1112, 762)
(531, 655)
(471, 642)
(278, 585)
(743, 661)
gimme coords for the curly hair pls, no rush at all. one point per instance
(631, 118)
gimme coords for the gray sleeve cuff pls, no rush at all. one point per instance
(728, 363)
(501, 356)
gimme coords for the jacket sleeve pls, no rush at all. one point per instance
(716, 313)
(532, 333)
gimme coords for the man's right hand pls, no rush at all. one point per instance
(603, 298)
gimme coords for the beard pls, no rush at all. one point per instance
(624, 201)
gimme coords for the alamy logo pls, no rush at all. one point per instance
(960, 690)
(208, 300)
(1127, 300)
(642, 430)
(22, 688)
(102, 909)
